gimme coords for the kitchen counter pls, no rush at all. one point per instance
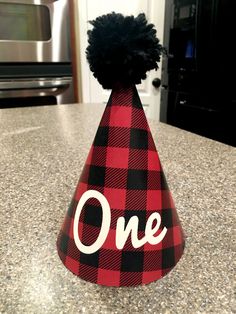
(43, 150)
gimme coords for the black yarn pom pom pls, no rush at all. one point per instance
(122, 49)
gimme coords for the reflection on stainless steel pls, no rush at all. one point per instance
(33, 83)
(56, 49)
(61, 88)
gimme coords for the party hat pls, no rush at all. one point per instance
(122, 228)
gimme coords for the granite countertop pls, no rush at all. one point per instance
(43, 150)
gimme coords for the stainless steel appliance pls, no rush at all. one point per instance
(34, 31)
(35, 57)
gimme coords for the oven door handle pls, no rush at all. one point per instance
(34, 88)
(35, 84)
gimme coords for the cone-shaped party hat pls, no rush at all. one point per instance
(122, 228)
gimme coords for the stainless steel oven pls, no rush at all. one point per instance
(35, 57)
(34, 31)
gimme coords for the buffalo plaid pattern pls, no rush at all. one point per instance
(124, 166)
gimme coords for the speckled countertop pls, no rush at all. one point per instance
(42, 152)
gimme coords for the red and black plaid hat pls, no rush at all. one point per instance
(121, 228)
(123, 165)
